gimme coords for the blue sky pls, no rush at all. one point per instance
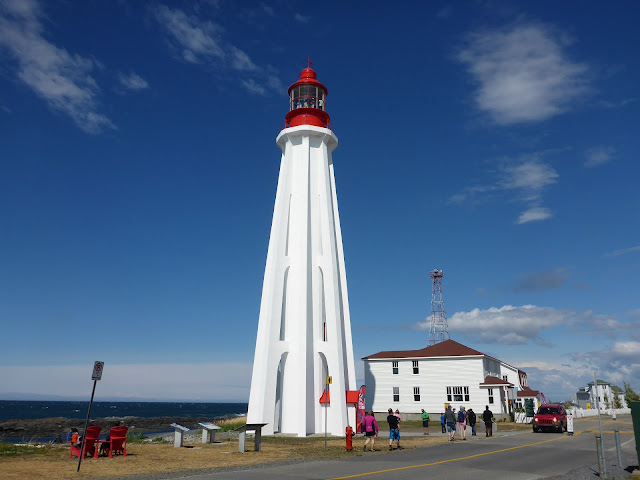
(494, 140)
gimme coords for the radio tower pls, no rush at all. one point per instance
(439, 331)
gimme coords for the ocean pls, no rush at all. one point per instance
(31, 410)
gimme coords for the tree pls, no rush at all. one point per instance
(630, 395)
(606, 401)
(616, 401)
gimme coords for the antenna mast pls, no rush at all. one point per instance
(439, 331)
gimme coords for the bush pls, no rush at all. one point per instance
(135, 437)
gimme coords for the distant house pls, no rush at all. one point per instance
(588, 398)
(447, 373)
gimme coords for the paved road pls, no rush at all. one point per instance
(505, 456)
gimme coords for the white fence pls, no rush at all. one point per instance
(521, 417)
(582, 412)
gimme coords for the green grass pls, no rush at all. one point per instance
(9, 450)
(135, 437)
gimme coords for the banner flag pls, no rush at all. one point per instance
(360, 413)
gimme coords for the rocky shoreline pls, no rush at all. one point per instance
(52, 427)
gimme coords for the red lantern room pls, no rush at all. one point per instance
(307, 99)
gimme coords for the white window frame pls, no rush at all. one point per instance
(416, 394)
(416, 367)
(394, 368)
(396, 394)
(490, 391)
(458, 394)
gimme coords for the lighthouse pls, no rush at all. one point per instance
(304, 328)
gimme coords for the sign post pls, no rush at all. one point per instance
(95, 376)
(570, 425)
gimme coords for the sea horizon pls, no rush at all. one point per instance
(39, 409)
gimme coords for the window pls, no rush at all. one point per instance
(307, 96)
(505, 378)
(394, 365)
(416, 370)
(396, 394)
(490, 395)
(457, 394)
(416, 394)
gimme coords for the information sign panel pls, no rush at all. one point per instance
(97, 370)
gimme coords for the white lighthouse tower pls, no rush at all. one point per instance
(304, 329)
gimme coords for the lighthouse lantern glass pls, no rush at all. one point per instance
(307, 96)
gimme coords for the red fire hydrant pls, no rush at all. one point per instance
(349, 438)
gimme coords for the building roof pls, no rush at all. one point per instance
(600, 382)
(448, 348)
(527, 392)
(489, 380)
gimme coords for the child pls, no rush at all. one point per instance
(76, 439)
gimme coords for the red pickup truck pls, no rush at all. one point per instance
(550, 417)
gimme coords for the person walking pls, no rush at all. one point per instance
(394, 430)
(443, 424)
(425, 422)
(450, 420)
(487, 416)
(370, 430)
(471, 420)
(462, 420)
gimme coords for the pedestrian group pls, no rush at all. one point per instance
(450, 421)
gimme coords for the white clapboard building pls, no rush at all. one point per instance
(447, 373)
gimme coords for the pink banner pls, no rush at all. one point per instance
(360, 413)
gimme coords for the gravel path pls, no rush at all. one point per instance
(591, 473)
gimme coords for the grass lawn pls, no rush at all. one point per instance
(52, 462)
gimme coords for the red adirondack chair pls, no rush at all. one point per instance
(118, 441)
(90, 443)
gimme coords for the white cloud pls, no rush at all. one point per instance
(205, 381)
(132, 81)
(201, 41)
(617, 364)
(302, 18)
(196, 38)
(623, 251)
(534, 214)
(241, 61)
(525, 177)
(530, 174)
(522, 73)
(254, 87)
(630, 350)
(508, 324)
(62, 79)
(599, 156)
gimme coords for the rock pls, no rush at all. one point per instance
(51, 427)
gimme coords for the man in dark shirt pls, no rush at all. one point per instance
(487, 416)
(394, 431)
(471, 420)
